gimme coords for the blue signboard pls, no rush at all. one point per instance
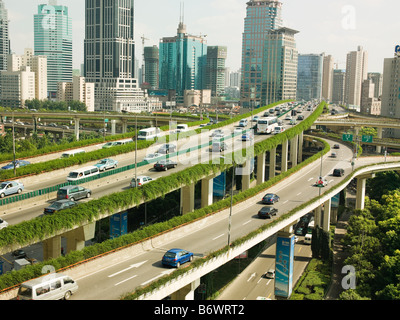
(219, 188)
(118, 225)
(284, 266)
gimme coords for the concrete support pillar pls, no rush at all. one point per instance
(300, 147)
(285, 151)
(294, 142)
(272, 163)
(360, 196)
(77, 124)
(246, 172)
(207, 189)
(186, 293)
(124, 126)
(380, 135)
(113, 127)
(187, 198)
(52, 248)
(327, 215)
(261, 168)
(76, 238)
(317, 216)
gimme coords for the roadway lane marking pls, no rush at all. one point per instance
(247, 222)
(299, 193)
(310, 179)
(129, 268)
(159, 276)
(268, 283)
(117, 284)
(220, 236)
(286, 201)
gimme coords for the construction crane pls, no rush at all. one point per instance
(143, 64)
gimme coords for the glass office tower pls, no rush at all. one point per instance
(261, 17)
(183, 59)
(53, 38)
(4, 37)
(309, 76)
(109, 39)
(280, 62)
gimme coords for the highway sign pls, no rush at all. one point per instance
(348, 137)
(367, 139)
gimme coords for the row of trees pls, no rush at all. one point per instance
(55, 105)
(373, 239)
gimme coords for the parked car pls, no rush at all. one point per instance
(270, 198)
(73, 193)
(338, 172)
(152, 156)
(167, 148)
(106, 164)
(10, 187)
(267, 212)
(18, 164)
(321, 182)
(175, 257)
(141, 180)
(165, 165)
(59, 205)
(3, 224)
(270, 274)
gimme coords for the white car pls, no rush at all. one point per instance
(141, 181)
(3, 224)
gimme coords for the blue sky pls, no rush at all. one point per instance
(334, 26)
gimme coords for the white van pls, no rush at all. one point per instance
(182, 128)
(70, 154)
(49, 287)
(308, 238)
(82, 173)
(149, 134)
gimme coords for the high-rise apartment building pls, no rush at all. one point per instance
(215, 70)
(151, 63)
(356, 73)
(77, 90)
(309, 76)
(279, 68)
(262, 16)
(327, 77)
(377, 80)
(183, 60)
(4, 36)
(53, 39)
(338, 86)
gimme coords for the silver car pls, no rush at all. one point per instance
(10, 187)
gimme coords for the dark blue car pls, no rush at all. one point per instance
(270, 198)
(175, 257)
(18, 164)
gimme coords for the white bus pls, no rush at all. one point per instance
(267, 125)
(149, 134)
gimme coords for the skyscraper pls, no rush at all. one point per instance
(280, 64)
(183, 60)
(262, 16)
(215, 70)
(151, 62)
(309, 76)
(356, 73)
(53, 38)
(4, 38)
(109, 40)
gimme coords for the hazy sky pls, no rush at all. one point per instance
(331, 26)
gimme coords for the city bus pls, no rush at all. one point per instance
(267, 125)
